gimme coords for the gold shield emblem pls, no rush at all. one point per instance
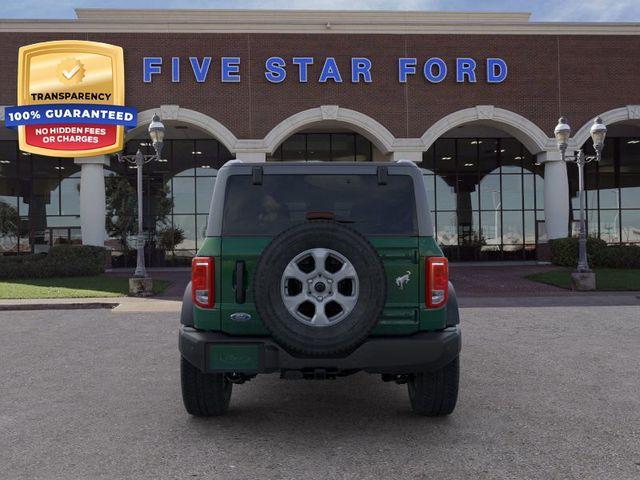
(71, 72)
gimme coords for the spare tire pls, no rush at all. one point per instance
(319, 288)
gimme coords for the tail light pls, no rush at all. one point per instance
(437, 281)
(203, 281)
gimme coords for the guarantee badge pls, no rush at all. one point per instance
(71, 99)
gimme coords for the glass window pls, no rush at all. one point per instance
(206, 158)
(539, 191)
(294, 148)
(490, 198)
(201, 227)
(319, 147)
(629, 155)
(429, 183)
(44, 166)
(512, 228)
(182, 158)
(343, 148)
(630, 190)
(488, 156)
(511, 155)
(609, 225)
(512, 192)
(70, 196)
(364, 149)
(428, 158)
(445, 195)
(445, 160)
(284, 200)
(468, 227)
(467, 192)
(183, 195)
(467, 153)
(530, 227)
(447, 228)
(631, 226)
(607, 186)
(491, 224)
(528, 191)
(204, 190)
(187, 223)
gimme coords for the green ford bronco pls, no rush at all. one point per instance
(319, 270)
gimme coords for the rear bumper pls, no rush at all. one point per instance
(218, 352)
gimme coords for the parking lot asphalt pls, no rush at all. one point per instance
(551, 392)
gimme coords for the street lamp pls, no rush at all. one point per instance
(156, 133)
(562, 133)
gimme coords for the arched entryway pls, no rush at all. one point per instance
(329, 133)
(177, 191)
(486, 188)
(612, 185)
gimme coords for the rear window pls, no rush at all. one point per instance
(282, 201)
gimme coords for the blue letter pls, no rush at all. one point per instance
(330, 71)
(360, 66)
(150, 66)
(231, 69)
(200, 71)
(428, 70)
(175, 69)
(465, 66)
(406, 66)
(275, 69)
(303, 63)
(496, 70)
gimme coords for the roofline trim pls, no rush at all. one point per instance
(310, 21)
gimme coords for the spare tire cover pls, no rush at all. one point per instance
(319, 288)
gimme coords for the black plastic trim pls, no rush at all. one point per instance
(421, 352)
(186, 314)
(453, 312)
(256, 175)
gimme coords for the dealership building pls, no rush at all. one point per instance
(471, 98)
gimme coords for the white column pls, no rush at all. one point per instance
(92, 199)
(251, 156)
(556, 194)
(407, 155)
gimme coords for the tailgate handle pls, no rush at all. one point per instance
(238, 287)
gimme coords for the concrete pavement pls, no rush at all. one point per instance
(546, 393)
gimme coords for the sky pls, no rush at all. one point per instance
(542, 10)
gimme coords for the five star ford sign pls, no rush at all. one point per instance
(70, 99)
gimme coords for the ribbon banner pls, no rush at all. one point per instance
(70, 113)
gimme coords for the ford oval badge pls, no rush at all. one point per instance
(240, 317)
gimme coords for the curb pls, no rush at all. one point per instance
(57, 306)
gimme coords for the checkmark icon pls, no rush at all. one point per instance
(71, 73)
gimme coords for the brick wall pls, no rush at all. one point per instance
(578, 76)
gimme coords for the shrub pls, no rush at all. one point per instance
(169, 237)
(564, 252)
(61, 261)
(618, 256)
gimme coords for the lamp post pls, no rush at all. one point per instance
(156, 133)
(562, 133)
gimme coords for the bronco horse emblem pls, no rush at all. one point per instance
(402, 280)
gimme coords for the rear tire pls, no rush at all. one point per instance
(434, 394)
(204, 394)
